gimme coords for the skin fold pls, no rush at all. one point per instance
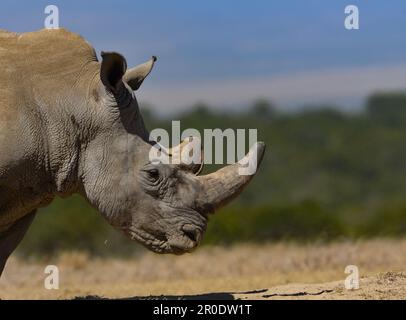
(71, 124)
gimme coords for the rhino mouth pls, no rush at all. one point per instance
(184, 240)
(156, 243)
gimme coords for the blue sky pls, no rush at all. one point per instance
(228, 53)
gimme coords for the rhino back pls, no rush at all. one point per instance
(37, 68)
(40, 64)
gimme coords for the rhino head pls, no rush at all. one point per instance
(163, 206)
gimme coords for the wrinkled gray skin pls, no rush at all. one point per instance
(70, 124)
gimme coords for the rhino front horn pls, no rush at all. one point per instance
(220, 187)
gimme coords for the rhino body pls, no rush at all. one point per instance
(71, 124)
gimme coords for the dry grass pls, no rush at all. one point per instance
(209, 269)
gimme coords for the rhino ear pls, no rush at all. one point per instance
(113, 68)
(135, 76)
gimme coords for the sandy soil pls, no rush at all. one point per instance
(271, 271)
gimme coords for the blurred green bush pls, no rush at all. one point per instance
(304, 221)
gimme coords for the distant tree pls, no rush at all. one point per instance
(389, 108)
(201, 108)
(262, 107)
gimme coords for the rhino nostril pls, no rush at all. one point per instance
(192, 233)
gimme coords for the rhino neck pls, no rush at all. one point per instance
(109, 145)
(65, 127)
(75, 133)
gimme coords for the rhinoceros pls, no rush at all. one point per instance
(71, 124)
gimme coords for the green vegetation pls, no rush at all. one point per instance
(326, 175)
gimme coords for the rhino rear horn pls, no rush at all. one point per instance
(188, 155)
(135, 76)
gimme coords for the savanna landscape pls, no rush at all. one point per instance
(329, 194)
(270, 271)
(86, 211)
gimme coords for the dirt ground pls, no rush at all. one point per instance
(269, 271)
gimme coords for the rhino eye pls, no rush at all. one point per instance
(153, 174)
